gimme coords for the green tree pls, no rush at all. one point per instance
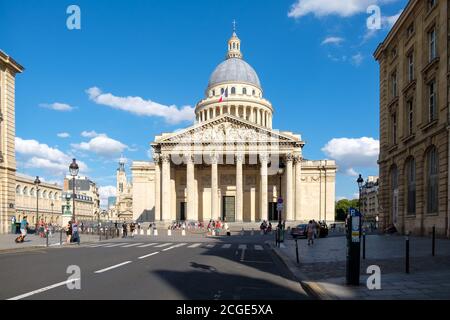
(342, 207)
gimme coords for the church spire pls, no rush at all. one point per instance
(234, 45)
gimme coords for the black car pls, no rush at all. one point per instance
(299, 231)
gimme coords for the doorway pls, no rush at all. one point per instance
(228, 209)
(182, 211)
(273, 213)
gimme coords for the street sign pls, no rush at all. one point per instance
(280, 200)
(279, 206)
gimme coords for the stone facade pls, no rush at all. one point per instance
(8, 70)
(123, 208)
(49, 202)
(369, 199)
(227, 164)
(86, 188)
(414, 120)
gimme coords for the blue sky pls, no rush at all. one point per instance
(313, 57)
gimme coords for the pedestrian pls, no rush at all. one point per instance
(132, 228)
(23, 228)
(68, 232)
(124, 230)
(75, 233)
(310, 229)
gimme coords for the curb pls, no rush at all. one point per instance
(311, 287)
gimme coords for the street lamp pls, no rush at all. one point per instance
(360, 182)
(37, 182)
(73, 169)
(280, 172)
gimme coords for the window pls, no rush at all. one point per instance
(244, 91)
(432, 181)
(25, 191)
(432, 100)
(394, 84)
(213, 93)
(50, 195)
(394, 190)
(18, 190)
(410, 67)
(44, 195)
(32, 192)
(432, 44)
(233, 90)
(394, 53)
(253, 92)
(222, 90)
(411, 187)
(410, 30)
(394, 128)
(410, 113)
(431, 4)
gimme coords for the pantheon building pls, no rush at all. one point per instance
(231, 164)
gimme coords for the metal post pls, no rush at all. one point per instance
(73, 196)
(433, 244)
(99, 233)
(296, 250)
(47, 238)
(364, 244)
(60, 236)
(407, 253)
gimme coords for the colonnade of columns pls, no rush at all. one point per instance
(253, 114)
(163, 194)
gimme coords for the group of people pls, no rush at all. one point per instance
(131, 227)
(266, 227)
(217, 226)
(313, 230)
(72, 232)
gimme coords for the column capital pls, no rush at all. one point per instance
(165, 158)
(188, 158)
(264, 157)
(156, 157)
(297, 158)
(289, 157)
(214, 158)
(239, 157)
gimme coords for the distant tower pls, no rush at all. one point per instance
(121, 177)
(234, 45)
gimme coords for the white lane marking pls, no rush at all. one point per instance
(99, 245)
(211, 245)
(163, 245)
(258, 247)
(147, 245)
(195, 245)
(44, 289)
(243, 247)
(282, 245)
(226, 246)
(115, 245)
(132, 245)
(175, 246)
(149, 255)
(113, 267)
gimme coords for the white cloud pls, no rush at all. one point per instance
(141, 107)
(342, 8)
(357, 59)
(106, 192)
(353, 152)
(57, 106)
(102, 145)
(63, 135)
(41, 156)
(89, 134)
(332, 40)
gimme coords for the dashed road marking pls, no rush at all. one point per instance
(113, 267)
(226, 246)
(163, 245)
(147, 245)
(149, 255)
(258, 247)
(115, 245)
(25, 295)
(195, 245)
(175, 246)
(132, 245)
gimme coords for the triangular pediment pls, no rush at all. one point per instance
(227, 129)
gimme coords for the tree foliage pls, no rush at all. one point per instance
(342, 207)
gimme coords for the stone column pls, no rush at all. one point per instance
(263, 158)
(190, 186)
(157, 160)
(214, 187)
(289, 193)
(298, 181)
(166, 190)
(239, 188)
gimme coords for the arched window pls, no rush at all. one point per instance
(253, 92)
(56, 196)
(44, 194)
(18, 190)
(32, 192)
(411, 186)
(244, 91)
(233, 90)
(213, 93)
(222, 90)
(394, 194)
(234, 45)
(50, 195)
(25, 191)
(432, 180)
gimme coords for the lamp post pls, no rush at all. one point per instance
(360, 182)
(37, 182)
(73, 169)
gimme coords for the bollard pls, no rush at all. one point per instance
(60, 236)
(99, 234)
(433, 242)
(253, 232)
(106, 233)
(364, 244)
(169, 232)
(242, 232)
(407, 253)
(296, 250)
(47, 238)
(183, 232)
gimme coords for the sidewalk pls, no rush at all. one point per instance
(322, 268)
(32, 241)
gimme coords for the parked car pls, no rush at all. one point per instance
(299, 231)
(323, 229)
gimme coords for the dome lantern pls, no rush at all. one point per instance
(234, 45)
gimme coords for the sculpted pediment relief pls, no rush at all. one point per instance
(226, 129)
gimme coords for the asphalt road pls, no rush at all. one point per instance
(229, 268)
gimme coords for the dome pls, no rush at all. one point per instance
(234, 70)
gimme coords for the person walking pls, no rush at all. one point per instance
(310, 229)
(68, 232)
(75, 233)
(23, 228)
(132, 227)
(124, 229)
